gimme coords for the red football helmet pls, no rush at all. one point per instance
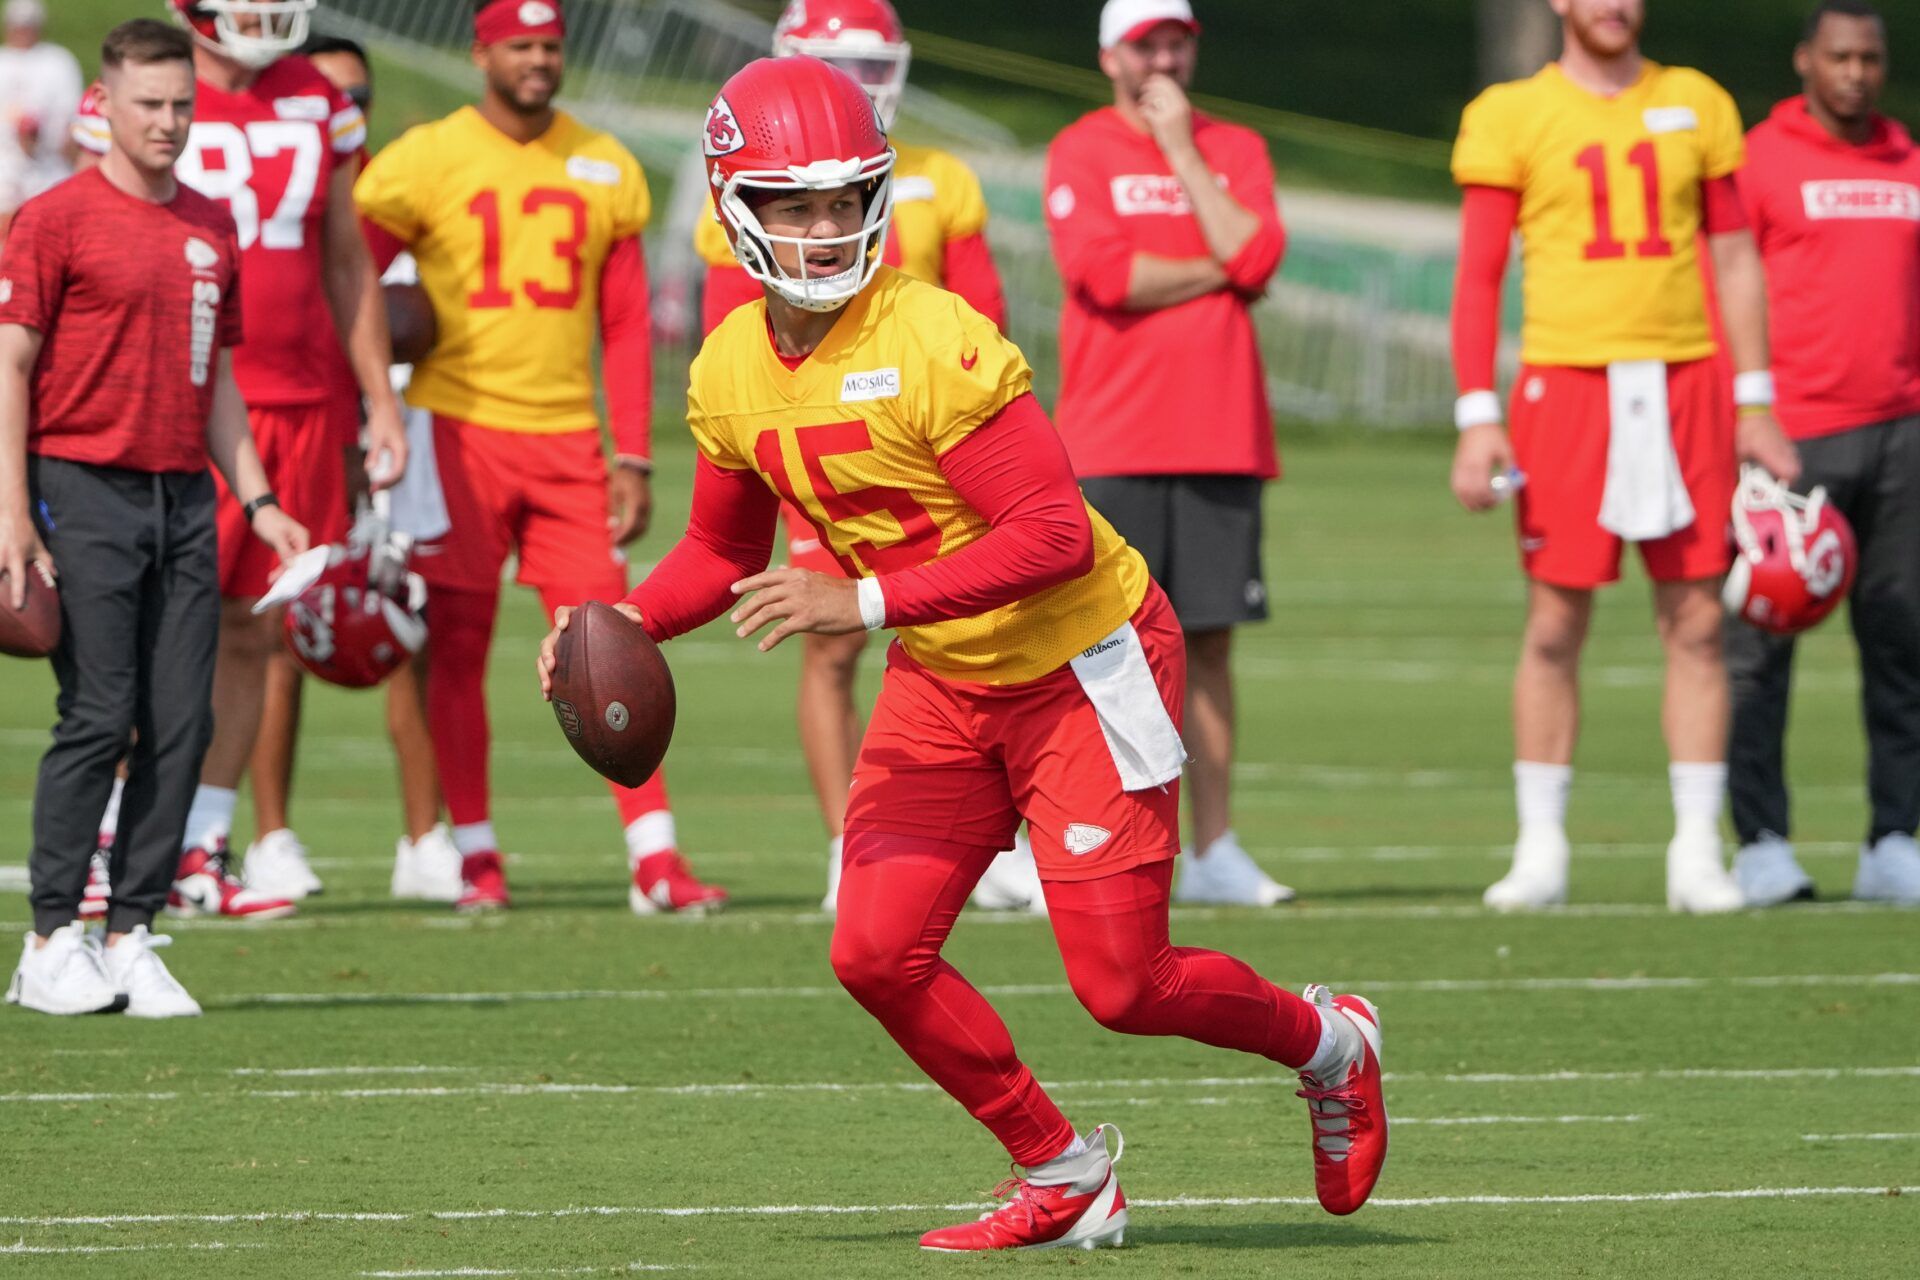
(360, 617)
(217, 24)
(1794, 557)
(798, 124)
(863, 38)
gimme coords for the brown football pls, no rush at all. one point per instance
(613, 694)
(32, 631)
(411, 320)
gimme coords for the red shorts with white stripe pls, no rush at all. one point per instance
(305, 451)
(1560, 422)
(954, 764)
(805, 550)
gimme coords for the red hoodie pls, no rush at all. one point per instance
(1839, 228)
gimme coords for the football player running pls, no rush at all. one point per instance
(526, 227)
(275, 142)
(1037, 671)
(939, 234)
(1611, 166)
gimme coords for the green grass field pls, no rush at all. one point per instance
(1604, 1090)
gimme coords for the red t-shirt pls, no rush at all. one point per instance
(269, 153)
(1839, 229)
(134, 301)
(1175, 391)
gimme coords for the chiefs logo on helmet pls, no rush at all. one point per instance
(1794, 557)
(358, 616)
(723, 131)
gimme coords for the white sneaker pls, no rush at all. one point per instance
(1538, 877)
(277, 867)
(1889, 871)
(64, 977)
(1697, 879)
(1768, 874)
(427, 869)
(831, 902)
(150, 991)
(1223, 874)
(1011, 882)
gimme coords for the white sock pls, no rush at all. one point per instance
(1699, 790)
(475, 837)
(1540, 795)
(651, 833)
(834, 848)
(110, 820)
(210, 819)
(1339, 1046)
(1075, 1165)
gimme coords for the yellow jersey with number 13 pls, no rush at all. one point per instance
(1610, 207)
(853, 437)
(511, 240)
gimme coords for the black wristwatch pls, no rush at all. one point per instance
(266, 499)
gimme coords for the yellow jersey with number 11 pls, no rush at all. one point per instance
(1610, 207)
(511, 240)
(853, 437)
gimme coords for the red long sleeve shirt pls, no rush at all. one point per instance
(1839, 229)
(1179, 390)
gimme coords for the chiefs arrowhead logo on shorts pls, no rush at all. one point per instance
(723, 133)
(1083, 838)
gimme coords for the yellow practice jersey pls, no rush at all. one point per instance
(1610, 207)
(936, 198)
(511, 240)
(854, 436)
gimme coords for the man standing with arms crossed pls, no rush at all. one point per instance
(1833, 190)
(1165, 231)
(1611, 166)
(118, 301)
(526, 226)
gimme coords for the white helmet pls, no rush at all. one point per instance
(863, 38)
(283, 27)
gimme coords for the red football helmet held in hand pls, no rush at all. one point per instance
(1794, 557)
(360, 618)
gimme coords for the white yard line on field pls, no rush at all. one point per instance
(21, 1248)
(409, 1069)
(843, 1210)
(1860, 1137)
(543, 1271)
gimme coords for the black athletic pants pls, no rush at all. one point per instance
(140, 608)
(1873, 475)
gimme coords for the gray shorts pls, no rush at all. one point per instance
(1200, 536)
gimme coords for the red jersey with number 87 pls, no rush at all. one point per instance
(1611, 207)
(511, 239)
(269, 153)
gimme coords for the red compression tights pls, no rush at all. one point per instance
(460, 627)
(898, 901)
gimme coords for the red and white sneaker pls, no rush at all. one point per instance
(1047, 1217)
(93, 899)
(664, 882)
(1349, 1115)
(202, 885)
(483, 883)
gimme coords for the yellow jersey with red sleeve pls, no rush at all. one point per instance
(510, 239)
(854, 436)
(1611, 207)
(936, 198)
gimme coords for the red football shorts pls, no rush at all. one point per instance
(805, 550)
(305, 450)
(1560, 423)
(543, 496)
(959, 764)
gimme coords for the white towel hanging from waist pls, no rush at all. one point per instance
(1646, 496)
(1141, 737)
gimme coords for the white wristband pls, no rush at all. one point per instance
(1753, 389)
(873, 604)
(1477, 409)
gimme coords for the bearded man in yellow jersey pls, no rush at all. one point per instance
(939, 235)
(526, 228)
(1612, 167)
(1038, 671)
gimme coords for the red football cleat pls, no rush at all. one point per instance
(664, 882)
(202, 885)
(1350, 1116)
(1049, 1217)
(483, 883)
